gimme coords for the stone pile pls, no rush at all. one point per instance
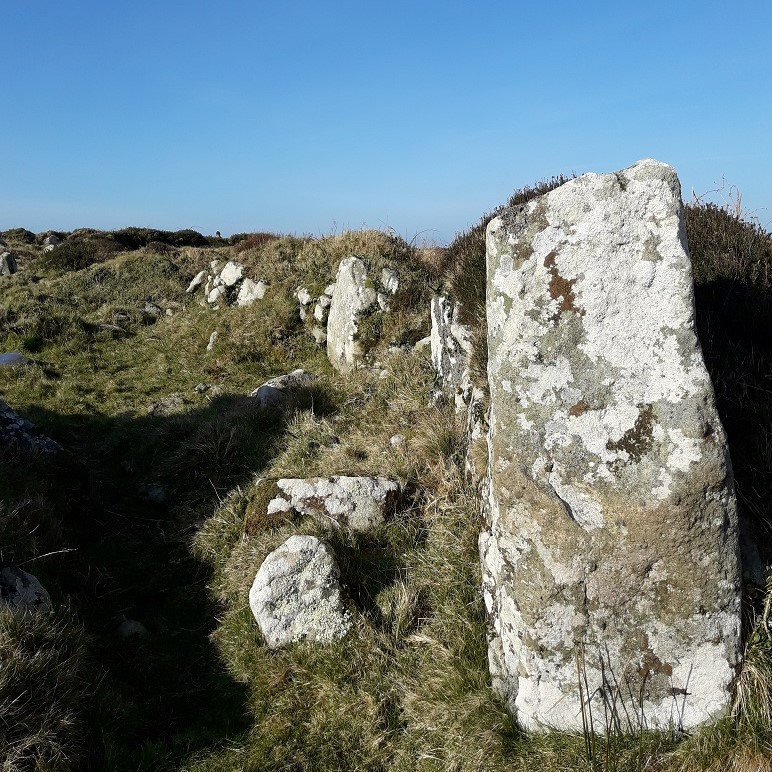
(315, 311)
(610, 557)
(15, 430)
(226, 284)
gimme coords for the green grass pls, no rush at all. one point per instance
(408, 688)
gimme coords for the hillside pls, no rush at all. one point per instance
(148, 527)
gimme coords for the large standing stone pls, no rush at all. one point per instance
(361, 503)
(610, 563)
(296, 594)
(354, 294)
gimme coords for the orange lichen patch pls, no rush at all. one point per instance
(561, 289)
(580, 407)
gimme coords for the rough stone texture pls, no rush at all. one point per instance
(212, 340)
(451, 353)
(250, 291)
(296, 594)
(196, 281)
(52, 241)
(390, 280)
(451, 343)
(232, 273)
(612, 527)
(23, 592)
(353, 295)
(361, 503)
(275, 393)
(7, 264)
(19, 431)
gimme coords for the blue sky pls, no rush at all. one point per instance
(309, 117)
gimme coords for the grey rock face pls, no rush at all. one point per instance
(276, 392)
(52, 241)
(17, 430)
(7, 264)
(353, 295)
(612, 543)
(212, 340)
(296, 594)
(360, 503)
(23, 592)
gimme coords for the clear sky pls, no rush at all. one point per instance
(309, 117)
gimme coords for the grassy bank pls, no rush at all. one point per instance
(155, 513)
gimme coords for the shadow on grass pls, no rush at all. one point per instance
(129, 495)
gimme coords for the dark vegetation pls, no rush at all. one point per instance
(409, 689)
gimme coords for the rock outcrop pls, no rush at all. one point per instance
(359, 503)
(353, 297)
(296, 594)
(610, 562)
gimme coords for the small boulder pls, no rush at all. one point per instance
(275, 393)
(320, 335)
(52, 241)
(304, 296)
(131, 628)
(212, 340)
(360, 503)
(215, 294)
(296, 594)
(7, 264)
(232, 273)
(23, 592)
(250, 291)
(197, 281)
(390, 280)
(14, 359)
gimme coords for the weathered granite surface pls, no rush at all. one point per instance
(611, 553)
(296, 594)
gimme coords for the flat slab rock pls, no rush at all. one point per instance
(23, 592)
(296, 594)
(612, 535)
(360, 503)
(276, 392)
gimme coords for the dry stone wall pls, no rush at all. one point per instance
(610, 559)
